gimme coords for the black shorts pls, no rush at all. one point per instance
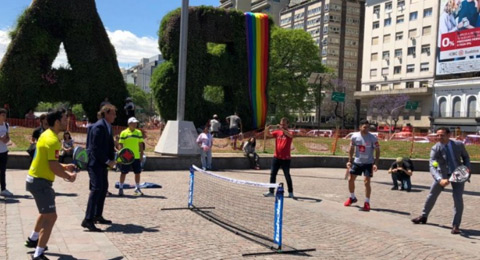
(136, 166)
(43, 194)
(358, 169)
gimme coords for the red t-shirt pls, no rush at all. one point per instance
(282, 145)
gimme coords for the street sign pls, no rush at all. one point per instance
(412, 105)
(338, 96)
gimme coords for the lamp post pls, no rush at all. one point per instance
(317, 78)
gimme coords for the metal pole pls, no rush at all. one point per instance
(182, 64)
(319, 100)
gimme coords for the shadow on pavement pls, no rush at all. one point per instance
(360, 208)
(61, 256)
(468, 233)
(10, 201)
(307, 199)
(66, 194)
(129, 229)
(145, 196)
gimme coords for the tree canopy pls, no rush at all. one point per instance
(293, 57)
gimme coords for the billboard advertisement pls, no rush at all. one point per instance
(458, 47)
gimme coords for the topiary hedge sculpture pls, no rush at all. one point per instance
(26, 75)
(217, 56)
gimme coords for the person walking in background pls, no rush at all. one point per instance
(281, 156)
(401, 170)
(132, 138)
(40, 178)
(363, 143)
(249, 151)
(446, 155)
(4, 139)
(101, 154)
(36, 134)
(129, 108)
(215, 126)
(235, 128)
(205, 141)
(67, 146)
(30, 118)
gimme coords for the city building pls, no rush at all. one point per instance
(399, 57)
(336, 27)
(140, 74)
(457, 81)
(270, 7)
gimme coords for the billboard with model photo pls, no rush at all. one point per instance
(458, 48)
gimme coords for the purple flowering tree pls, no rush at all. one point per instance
(389, 107)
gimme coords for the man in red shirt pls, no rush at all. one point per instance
(281, 157)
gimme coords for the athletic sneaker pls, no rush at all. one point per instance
(120, 192)
(40, 257)
(138, 192)
(349, 202)
(269, 194)
(6, 193)
(366, 206)
(290, 195)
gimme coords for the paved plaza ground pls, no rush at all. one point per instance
(316, 219)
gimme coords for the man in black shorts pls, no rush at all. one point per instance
(40, 178)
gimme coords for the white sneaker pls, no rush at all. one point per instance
(138, 192)
(6, 193)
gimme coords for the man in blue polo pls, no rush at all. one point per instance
(132, 138)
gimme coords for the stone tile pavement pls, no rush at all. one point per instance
(316, 219)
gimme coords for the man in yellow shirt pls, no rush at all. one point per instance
(40, 178)
(132, 138)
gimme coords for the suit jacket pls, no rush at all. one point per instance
(100, 145)
(438, 154)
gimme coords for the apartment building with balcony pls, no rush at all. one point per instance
(270, 7)
(336, 27)
(399, 49)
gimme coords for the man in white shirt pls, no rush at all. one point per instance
(4, 139)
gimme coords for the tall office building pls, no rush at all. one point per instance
(336, 27)
(270, 7)
(399, 56)
(141, 74)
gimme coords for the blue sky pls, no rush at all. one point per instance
(132, 25)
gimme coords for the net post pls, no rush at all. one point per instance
(190, 189)
(278, 223)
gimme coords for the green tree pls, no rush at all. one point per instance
(140, 97)
(293, 57)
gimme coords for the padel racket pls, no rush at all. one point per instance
(80, 158)
(460, 174)
(125, 156)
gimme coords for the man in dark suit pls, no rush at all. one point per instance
(445, 157)
(101, 154)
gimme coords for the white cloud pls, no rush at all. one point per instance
(129, 47)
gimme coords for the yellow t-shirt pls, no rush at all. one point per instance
(48, 149)
(132, 140)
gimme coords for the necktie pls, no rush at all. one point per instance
(450, 161)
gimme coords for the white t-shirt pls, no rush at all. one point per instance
(364, 147)
(3, 131)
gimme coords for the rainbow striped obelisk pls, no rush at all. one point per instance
(257, 29)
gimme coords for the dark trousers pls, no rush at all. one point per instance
(98, 191)
(403, 178)
(3, 169)
(285, 164)
(253, 159)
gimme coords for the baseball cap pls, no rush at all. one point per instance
(215, 116)
(132, 120)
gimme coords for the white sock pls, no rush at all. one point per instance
(34, 236)
(352, 195)
(137, 186)
(367, 200)
(38, 251)
(120, 185)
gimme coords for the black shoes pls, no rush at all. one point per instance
(40, 257)
(101, 220)
(88, 224)
(455, 230)
(419, 220)
(33, 244)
